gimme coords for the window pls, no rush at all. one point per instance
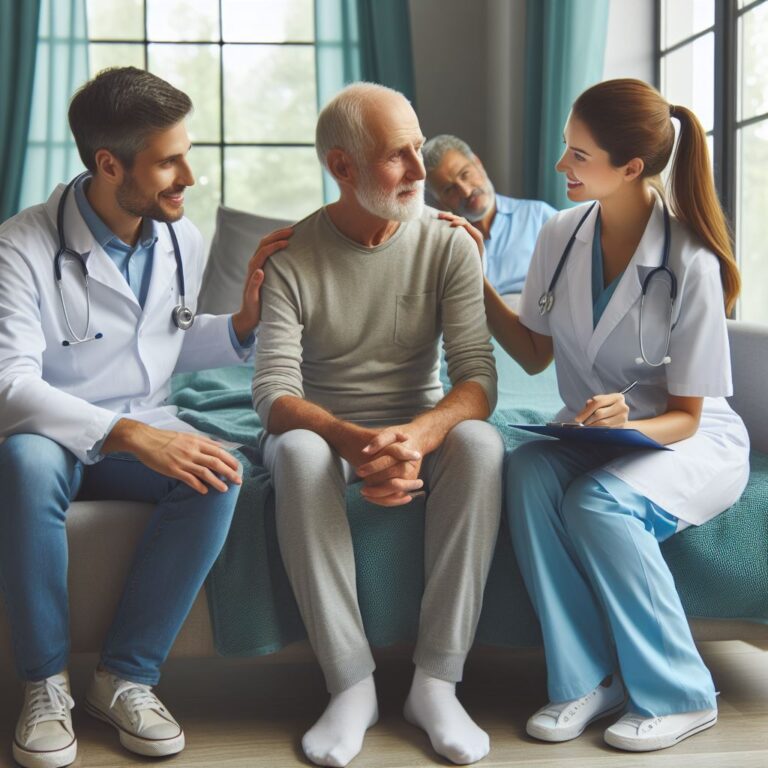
(713, 57)
(249, 68)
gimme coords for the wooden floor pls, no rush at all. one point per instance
(242, 715)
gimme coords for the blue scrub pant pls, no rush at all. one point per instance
(588, 548)
(38, 479)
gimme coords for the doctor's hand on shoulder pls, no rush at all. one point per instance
(247, 318)
(196, 460)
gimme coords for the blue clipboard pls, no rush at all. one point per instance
(629, 438)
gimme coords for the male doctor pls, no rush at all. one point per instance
(85, 364)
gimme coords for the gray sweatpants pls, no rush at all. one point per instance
(463, 483)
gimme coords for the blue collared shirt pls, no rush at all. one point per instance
(513, 235)
(134, 262)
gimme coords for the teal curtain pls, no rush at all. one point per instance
(61, 67)
(361, 40)
(565, 42)
(18, 40)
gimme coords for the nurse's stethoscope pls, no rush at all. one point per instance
(547, 299)
(181, 314)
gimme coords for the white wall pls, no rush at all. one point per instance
(465, 53)
(630, 45)
(469, 58)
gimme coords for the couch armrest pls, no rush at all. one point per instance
(749, 359)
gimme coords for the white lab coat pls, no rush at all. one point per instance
(704, 474)
(72, 394)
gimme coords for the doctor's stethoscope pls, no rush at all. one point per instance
(181, 314)
(547, 299)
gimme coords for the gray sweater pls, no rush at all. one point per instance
(356, 329)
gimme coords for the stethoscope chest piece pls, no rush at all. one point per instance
(182, 316)
(546, 302)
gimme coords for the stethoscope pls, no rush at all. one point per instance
(547, 299)
(181, 314)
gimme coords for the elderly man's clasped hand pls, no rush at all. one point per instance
(391, 475)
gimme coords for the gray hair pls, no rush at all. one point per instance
(341, 123)
(434, 150)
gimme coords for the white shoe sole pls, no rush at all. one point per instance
(641, 744)
(54, 759)
(555, 735)
(145, 747)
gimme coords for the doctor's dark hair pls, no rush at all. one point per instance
(629, 118)
(119, 109)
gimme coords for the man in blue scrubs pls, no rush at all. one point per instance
(459, 184)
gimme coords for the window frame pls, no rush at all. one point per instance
(222, 145)
(726, 122)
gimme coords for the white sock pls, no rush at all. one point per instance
(337, 737)
(433, 706)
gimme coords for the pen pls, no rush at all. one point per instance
(626, 389)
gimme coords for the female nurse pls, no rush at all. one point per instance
(586, 523)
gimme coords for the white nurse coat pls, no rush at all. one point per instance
(705, 474)
(72, 394)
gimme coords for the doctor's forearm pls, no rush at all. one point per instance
(670, 427)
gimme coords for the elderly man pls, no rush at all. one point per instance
(458, 182)
(347, 384)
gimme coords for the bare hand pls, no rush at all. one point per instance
(604, 411)
(196, 460)
(391, 476)
(246, 320)
(460, 221)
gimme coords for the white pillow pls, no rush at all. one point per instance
(234, 242)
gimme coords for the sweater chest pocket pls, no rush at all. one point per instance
(415, 319)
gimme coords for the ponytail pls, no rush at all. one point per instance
(693, 199)
(629, 118)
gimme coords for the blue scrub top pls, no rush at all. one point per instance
(513, 236)
(601, 293)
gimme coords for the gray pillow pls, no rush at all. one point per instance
(234, 242)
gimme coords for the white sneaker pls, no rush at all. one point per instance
(568, 719)
(640, 733)
(44, 737)
(145, 726)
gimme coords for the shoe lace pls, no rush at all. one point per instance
(642, 722)
(574, 706)
(136, 699)
(49, 701)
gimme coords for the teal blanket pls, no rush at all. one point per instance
(721, 568)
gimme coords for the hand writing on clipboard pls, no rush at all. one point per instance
(609, 410)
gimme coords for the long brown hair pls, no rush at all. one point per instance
(629, 118)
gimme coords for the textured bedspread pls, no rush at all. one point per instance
(721, 569)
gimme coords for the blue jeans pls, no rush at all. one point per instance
(38, 480)
(588, 548)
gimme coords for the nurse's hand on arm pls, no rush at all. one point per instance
(531, 350)
(196, 460)
(245, 321)
(680, 421)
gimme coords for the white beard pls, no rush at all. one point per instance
(386, 205)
